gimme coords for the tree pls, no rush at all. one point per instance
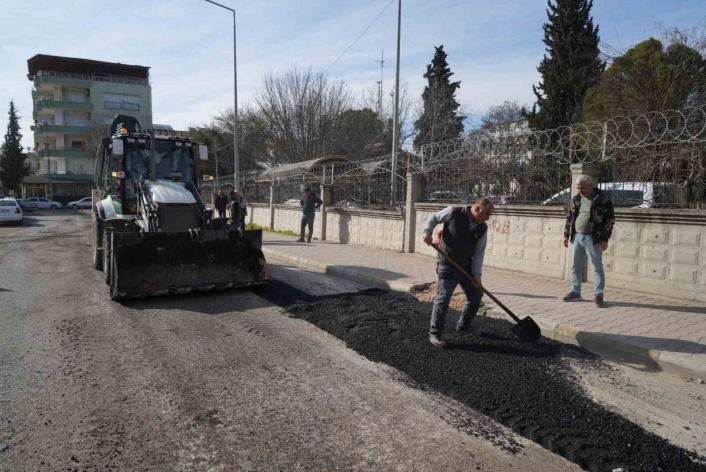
(253, 137)
(359, 134)
(439, 119)
(371, 100)
(301, 109)
(649, 77)
(504, 118)
(571, 66)
(13, 167)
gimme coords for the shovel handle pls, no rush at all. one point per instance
(468, 276)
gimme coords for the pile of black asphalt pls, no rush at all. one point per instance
(526, 386)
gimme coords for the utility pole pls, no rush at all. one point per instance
(380, 88)
(236, 157)
(396, 117)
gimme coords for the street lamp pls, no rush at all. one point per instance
(236, 159)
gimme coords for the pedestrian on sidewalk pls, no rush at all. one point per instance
(309, 204)
(589, 226)
(243, 208)
(221, 204)
(464, 238)
(235, 209)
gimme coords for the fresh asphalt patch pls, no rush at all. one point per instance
(528, 387)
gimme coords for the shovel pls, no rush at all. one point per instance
(526, 329)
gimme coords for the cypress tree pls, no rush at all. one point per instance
(440, 120)
(571, 66)
(12, 162)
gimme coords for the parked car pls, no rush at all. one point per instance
(83, 203)
(26, 206)
(351, 203)
(44, 204)
(293, 201)
(11, 211)
(623, 194)
(449, 196)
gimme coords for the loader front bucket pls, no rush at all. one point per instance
(146, 264)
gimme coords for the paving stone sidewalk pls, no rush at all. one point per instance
(652, 333)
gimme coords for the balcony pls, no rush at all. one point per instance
(44, 104)
(44, 153)
(71, 126)
(85, 80)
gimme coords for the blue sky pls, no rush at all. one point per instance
(494, 47)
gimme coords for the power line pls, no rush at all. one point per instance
(361, 35)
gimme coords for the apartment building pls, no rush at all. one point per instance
(75, 100)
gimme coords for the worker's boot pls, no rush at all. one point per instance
(436, 341)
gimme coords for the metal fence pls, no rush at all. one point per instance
(650, 160)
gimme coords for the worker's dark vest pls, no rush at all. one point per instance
(459, 240)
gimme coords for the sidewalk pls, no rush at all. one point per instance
(653, 333)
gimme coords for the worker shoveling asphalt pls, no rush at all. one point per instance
(462, 250)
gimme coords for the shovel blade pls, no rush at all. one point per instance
(527, 330)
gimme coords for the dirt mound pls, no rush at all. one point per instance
(527, 387)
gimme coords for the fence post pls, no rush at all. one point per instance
(415, 193)
(327, 199)
(273, 198)
(592, 169)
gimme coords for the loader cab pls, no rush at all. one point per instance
(125, 160)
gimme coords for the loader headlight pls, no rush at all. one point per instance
(119, 174)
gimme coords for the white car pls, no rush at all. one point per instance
(11, 211)
(44, 204)
(622, 194)
(83, 203)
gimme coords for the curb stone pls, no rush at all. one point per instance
(609, 346)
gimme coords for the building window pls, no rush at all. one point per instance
(78, 145)
(117, 101)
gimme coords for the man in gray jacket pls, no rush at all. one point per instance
(309, 204)
(464, 238)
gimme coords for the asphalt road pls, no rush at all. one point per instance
(219, 381)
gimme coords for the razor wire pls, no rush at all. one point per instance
(660, 155)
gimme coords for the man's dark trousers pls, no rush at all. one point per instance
(449, 278)
(308, 220)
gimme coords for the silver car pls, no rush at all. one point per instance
(44, 204)
(83, 203)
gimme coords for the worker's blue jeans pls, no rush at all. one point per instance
(449, 278)
(581, 249)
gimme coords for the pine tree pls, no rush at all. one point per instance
(439, 120)
(12, 162)
(572, 65)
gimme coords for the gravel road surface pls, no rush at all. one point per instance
(218, 381)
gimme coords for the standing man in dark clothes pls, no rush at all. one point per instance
(464, 239)
(243, 208)
(221, 204)
(309, 203)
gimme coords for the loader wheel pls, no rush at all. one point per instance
(107, 255)
(97, 244)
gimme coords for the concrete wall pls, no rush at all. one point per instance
(659, 252)
(381, 229)
(289, 218)
(259, 214)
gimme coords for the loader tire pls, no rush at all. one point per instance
(97, 243)
(107, 255)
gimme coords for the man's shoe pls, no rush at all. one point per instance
(572, 297)
(599, 301)
(436, 341)
(300, 240)
(465, 329)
